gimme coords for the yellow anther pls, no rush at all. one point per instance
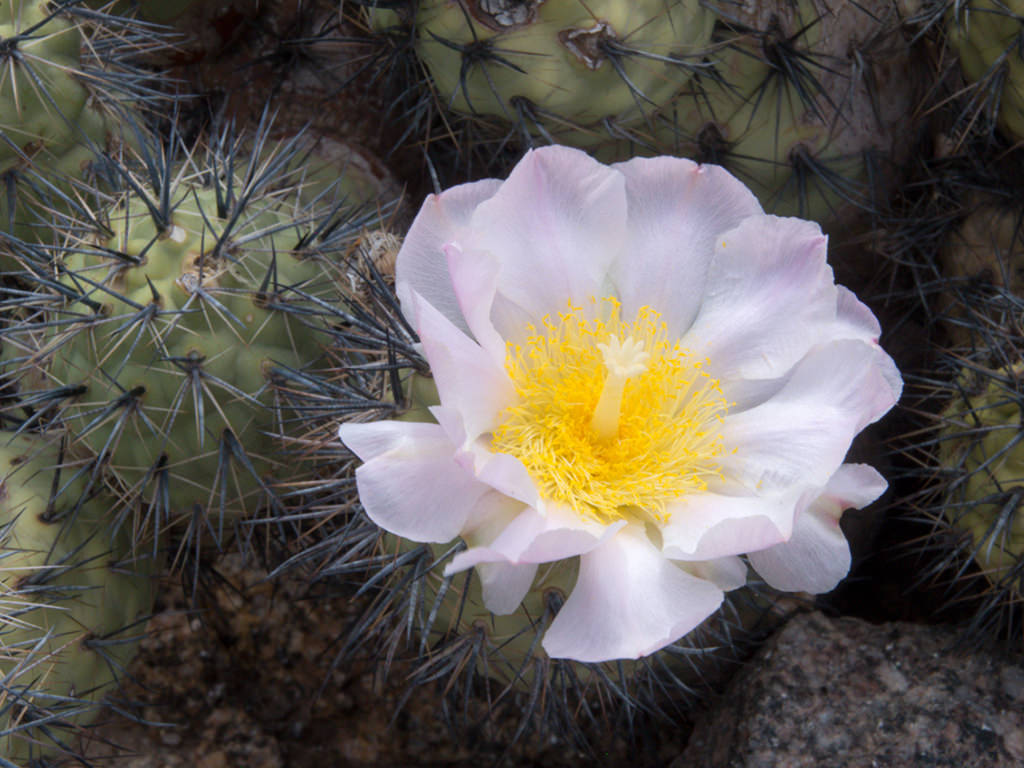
(611, 417)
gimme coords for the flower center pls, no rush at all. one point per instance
(611, 417)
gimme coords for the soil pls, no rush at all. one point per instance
(248, 680)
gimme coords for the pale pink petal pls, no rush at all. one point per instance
(501, 471)
(410, 483)
(538, 537)
(629, 601)
(704, 526)
(468, 379)
(727, 573)
(799, 437)
(677, 210)
(475, 279)
(853, 486)
(853, 319)
(489, 517)
(504, 585)
(817, 557)
(769, 293)
(421, 264)
(509, 475)
(554, 226)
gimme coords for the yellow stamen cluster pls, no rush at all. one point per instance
(612, 417)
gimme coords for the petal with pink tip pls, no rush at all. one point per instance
(799, 437)
(554, 226)
(629, 601)
(817, 557)
(410, 484)
(468, 379)
(421, 265)
(677, 210)
(769, 291)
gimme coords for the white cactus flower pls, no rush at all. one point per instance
(637, 367)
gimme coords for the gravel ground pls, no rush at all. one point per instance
(250, 684)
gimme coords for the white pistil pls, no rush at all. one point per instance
(622, 360)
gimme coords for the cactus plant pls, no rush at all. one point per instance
(985, 34)
(158, 336)
(962, 504)
(981, 442)
(573, 61)
(68, 81)
(807, 103)
(74, 598)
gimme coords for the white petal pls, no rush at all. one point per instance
(704, 526)
(853, 319)
(490, 515)
(853, 486)
(817, 557)
(475, 280)
(629, 601)
(770, 295)
(503, 472)
(554, 226)
(504, 585)
(507, 474)
(727, 573)
(421, 264)
(468, 379)
(677, 210)
(410, 484)
(538, 537)
(373, 439)
(800, 436)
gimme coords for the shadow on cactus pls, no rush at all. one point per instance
(967, 450)
(986, 35)
(153, 341)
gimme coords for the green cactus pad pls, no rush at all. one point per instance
(40, 96)
(160, 341)
(981, 445)
(72, 600)
(985, 34)
(186, 388)
(573, 61)
(65, 87)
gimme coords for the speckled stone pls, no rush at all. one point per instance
(842, 693)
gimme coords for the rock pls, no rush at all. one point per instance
(843, 693)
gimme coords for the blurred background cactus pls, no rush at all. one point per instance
(199, 218)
